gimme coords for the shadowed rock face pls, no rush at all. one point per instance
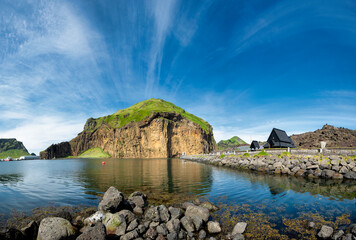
(333, 136)
(160, 135)
(59, 150)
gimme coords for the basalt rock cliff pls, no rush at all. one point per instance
(333, 136)
(150, 129)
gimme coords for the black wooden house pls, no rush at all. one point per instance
(279, 139)
(254, 145)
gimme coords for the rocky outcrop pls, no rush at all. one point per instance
(159, 135)
(59, 150)
(333, 136)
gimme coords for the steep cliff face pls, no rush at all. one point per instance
(333, 136)
(150, 129)
(59, 150)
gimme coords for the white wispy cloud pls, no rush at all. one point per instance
(38, 132)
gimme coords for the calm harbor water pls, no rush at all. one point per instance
(25, 185)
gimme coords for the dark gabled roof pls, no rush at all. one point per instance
(279, 138)
(282, 135)
(255, 145)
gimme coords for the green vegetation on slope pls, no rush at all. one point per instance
(13, 153)
(10, 147)
(230, 143)
(141, 111)
(93, 153)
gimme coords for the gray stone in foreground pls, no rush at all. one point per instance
(130, 235)
(311, 224)
(111, 201)
(173, 225)
(325, 232)
(55, 228)
(350, 175)
(162, 229)
(132, 225)
(214, 227)
(202, 234)
(338, 235)
(239, 236)
(163, 213)
(115, 224)
(200, 212)
(176, 213)
(172, 236)
(95, 232)
(152, 214)
(349, 237)
(239, 228)
(187, 223)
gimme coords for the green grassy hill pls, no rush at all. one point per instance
(10, 147)
(230, 143)
(141, 111)
(92, 153)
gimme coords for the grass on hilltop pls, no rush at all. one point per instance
(13, 153)
(141, 111)
(96, 152)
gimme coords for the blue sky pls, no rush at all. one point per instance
(244, 66)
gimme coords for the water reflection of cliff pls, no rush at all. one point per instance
(10, 178)
(324, 187)
(164, 175)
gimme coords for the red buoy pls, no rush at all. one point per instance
(103, 163)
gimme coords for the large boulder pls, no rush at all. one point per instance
(55, 228)
(94, 232)
(214, 227)
(200, 212)
(325, 232)
(115, 224)
(112, 200)
(240, 227)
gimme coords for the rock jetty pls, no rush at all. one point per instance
(118, 217)
(331, 167)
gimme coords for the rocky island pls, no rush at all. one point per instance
(149, 129)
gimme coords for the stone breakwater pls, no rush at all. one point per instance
(118, 217)
(331, 167)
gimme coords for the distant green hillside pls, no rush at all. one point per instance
(141, 111)
(92, 153)
(230, 143)
(10, 147)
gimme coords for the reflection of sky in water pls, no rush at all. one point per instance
(28, 184)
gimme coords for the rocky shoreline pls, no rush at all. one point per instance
(318, 166)
(118, 217)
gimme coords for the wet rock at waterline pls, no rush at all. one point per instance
(55, 228)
